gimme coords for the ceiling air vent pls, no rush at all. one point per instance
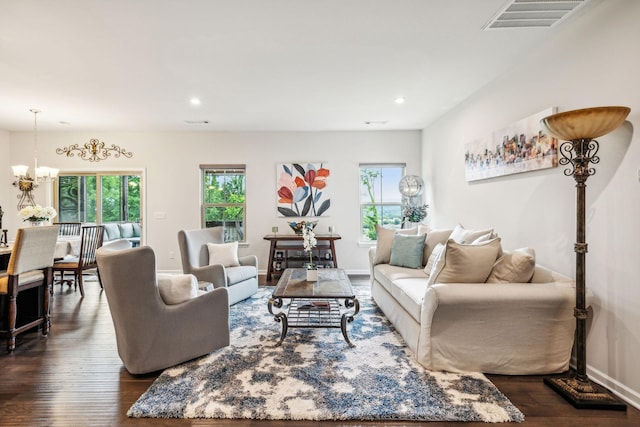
(532, 13)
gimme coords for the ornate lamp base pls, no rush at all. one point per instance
(585, 394)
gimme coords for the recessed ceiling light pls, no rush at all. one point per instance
(399, 100)
(195, 101)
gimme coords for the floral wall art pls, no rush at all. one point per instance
(302, 189)
(520, 147)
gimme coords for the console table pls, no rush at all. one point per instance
(287, 250)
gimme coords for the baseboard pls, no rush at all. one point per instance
(632, 397)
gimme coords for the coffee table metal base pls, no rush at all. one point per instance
(314, 313)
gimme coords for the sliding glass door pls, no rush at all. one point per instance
(100, 197)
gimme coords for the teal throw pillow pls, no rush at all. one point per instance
(406, 251)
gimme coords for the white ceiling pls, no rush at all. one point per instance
(133, 65)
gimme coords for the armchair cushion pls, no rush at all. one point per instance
(177, 288)
(240, 274)
(223, 253)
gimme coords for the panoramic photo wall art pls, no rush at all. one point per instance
(521, 147)
(302, 189)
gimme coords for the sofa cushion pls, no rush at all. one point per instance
(223, 253)
(177, 288)
(112, 231)
(385, 242)
(515, 266)
(460, 263)
(240, 274)
(406, 251)
(386, 274)
(136, 229)
(410, 294)
(126, 230)
(434, 236)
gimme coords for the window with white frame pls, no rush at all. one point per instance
(380, 199)
(224, 200)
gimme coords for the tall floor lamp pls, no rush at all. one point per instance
(578, 128)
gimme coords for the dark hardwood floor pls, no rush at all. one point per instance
(74, 377)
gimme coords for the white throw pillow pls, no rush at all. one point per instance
(385, 243)
(433, 258)
(515, 266)
(177, 288)
(459, 263)
(464, 236)
(434, 237)
(223, 253)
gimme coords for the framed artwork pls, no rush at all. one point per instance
(523, 146)
(302, 189)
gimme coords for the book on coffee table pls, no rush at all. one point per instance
(316, 305)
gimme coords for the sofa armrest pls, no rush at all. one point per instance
(459, 319)
(372, 256)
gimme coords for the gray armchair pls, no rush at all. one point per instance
(150, 334)
(240, 281)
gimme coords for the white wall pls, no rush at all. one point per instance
(171, 163)
(592, 60)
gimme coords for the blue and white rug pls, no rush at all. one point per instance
(315, 375)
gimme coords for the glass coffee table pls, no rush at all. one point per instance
(314, 304)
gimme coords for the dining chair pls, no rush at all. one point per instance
(90, 240)
(69, 228)
(29, 269)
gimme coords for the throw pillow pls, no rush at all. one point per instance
(406, 251)
(223, 253)
(177, 288)
(465, 236)
(433, 258)
(385, 242)
(460, 263)
(434, 237)
(516, 266)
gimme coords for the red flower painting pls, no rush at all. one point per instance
(302, 190)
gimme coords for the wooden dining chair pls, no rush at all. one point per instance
(69, 228)
(90, 240)
(29, 269)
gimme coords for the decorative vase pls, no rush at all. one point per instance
(37, 223)
(312, 275)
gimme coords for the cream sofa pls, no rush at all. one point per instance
(500, 328)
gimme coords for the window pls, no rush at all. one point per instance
(223, 200)
(98, 197)
(380, 199)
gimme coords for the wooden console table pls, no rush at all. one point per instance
(292, 254)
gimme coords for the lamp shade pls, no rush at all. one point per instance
(587, 123)
(19, 170)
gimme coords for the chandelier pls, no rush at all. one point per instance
(24, 182)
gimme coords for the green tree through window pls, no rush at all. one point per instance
(224, 200)
(380, 200)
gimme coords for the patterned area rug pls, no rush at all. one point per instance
(315, 375)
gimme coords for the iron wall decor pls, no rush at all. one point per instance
(94, 151)
(523, 146)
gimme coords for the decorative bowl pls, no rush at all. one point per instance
(298, 226)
